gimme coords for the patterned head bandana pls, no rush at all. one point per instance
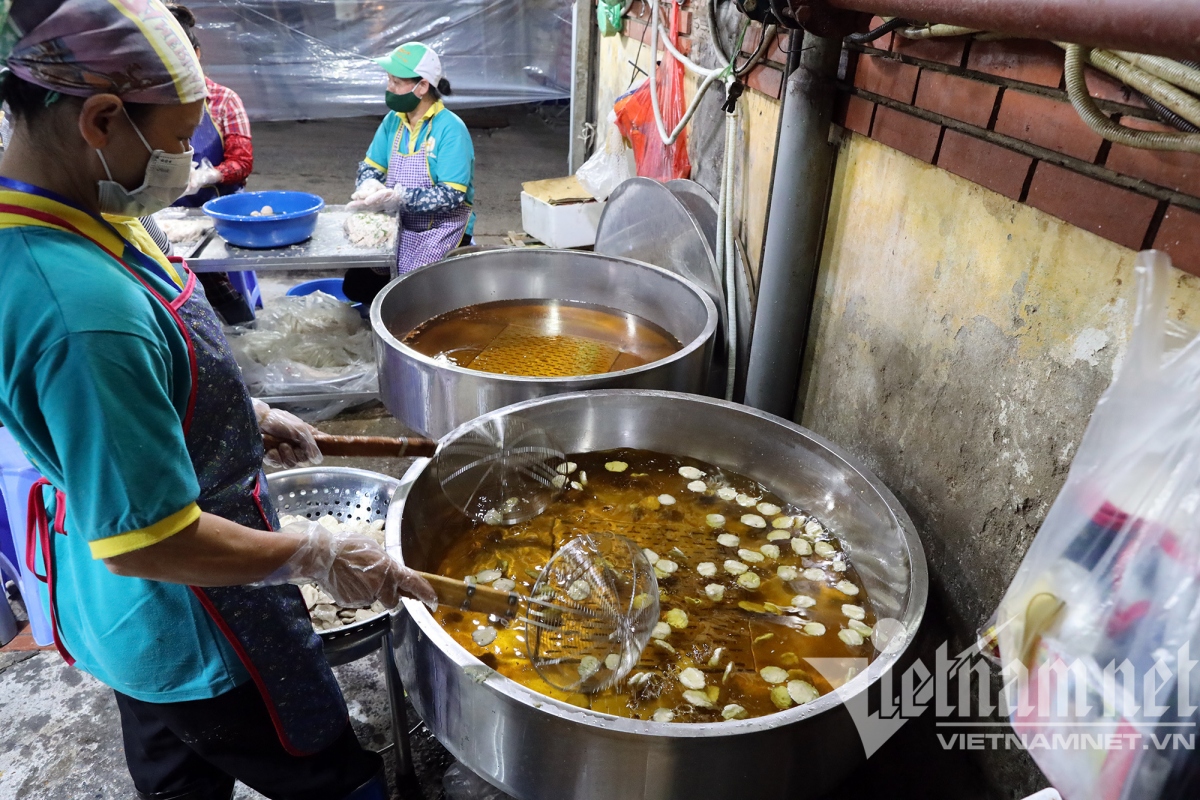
(132, 48)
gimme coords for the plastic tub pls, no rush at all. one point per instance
(330, 286)
(294, 219)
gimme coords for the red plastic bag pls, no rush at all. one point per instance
(635, 119)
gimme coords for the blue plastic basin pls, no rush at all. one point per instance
(294, 219)
(330, 286)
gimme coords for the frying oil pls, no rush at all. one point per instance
(541, 338)
(750, 629)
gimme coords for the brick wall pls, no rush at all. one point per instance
(997, 114)
(767, 77)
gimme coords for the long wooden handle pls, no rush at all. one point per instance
(367, 446)
(457, 594)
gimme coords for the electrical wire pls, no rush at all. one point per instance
(883, 30)
(760, 52)
(1167, 115)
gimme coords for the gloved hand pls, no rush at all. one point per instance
(374, 196)
(203, 174)
(298, 448)
(352, 567)
(367, 188)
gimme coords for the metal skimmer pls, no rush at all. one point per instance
(591, 613)
(501, 471)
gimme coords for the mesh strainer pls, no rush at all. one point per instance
(610, 595)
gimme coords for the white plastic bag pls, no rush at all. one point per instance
(1099, 631)
(314, 344)
(609, 167)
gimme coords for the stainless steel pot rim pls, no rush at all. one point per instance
(852, 689)
(699, 341)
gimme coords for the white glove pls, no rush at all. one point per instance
(367, 188)
(203, 174)
(297, 447)
(385, 200)
(352, 567)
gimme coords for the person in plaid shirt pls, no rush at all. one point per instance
(224, 159)
(224, 153)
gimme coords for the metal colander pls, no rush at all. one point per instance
(347, 494)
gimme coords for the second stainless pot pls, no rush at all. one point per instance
(434, 397)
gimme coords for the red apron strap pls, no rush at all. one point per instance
(37, 537)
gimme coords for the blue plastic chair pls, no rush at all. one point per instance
(8, 569)
(246, 282)
(17, 475)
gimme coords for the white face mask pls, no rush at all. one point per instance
(165, 182)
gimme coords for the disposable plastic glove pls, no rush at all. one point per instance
(203, 174)
(385, 200)
(367, 188)
(297, 447)
(352, 567)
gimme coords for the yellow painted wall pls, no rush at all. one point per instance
(960, 343)
(758, 127)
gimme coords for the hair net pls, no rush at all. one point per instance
(134, 49)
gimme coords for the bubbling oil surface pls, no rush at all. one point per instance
(731, 640)
(541, 338)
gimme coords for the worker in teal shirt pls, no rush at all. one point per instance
(420, 166)
(166, 574)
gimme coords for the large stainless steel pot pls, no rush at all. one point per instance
(537, 748)
(434, 398)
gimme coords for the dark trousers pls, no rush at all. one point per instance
(195, 750)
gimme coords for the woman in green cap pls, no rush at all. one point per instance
(420, 166)
(166, 574)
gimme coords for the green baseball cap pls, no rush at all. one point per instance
(412, 61)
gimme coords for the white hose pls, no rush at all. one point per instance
(1082, 100)
(935, 31)
(1169, 70)
(730, 254)
(1173, 98)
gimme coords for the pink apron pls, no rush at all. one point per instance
(424, 238)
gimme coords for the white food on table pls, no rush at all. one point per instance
(371, 231)
(184, 231)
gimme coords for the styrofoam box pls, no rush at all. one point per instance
(569, 225)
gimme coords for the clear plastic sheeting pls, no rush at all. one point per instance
(312, 59)
(309, 345)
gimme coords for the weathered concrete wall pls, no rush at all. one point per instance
(757, 129)
(960, 343)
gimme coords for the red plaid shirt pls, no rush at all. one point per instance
(229, 115)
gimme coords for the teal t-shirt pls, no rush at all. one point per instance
(449, 151)
(94, 385)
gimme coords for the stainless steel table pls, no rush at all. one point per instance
(327, 249)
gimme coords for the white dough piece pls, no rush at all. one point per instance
(371, 231)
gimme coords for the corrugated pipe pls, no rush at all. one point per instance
(1082, 100)
(1170, 96)
(1186, 77)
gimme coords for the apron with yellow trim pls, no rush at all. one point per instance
(268, 627)
(424, 237)
(207, 142)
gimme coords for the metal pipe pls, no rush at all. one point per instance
(795, 225)
(1162, 27)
